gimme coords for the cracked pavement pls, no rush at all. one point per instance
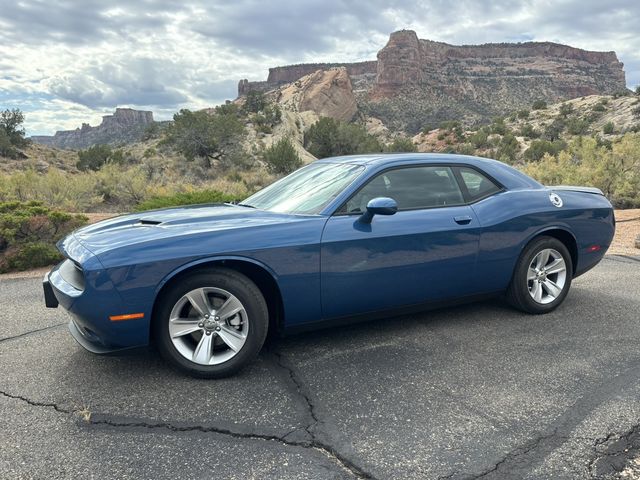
(477, 391)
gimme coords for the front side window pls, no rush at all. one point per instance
(305, 191)
(477, 184)
(411, 188)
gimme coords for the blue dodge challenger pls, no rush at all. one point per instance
(343, 238)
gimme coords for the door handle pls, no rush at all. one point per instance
(462, 220)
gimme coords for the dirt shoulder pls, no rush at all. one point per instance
(627, 230)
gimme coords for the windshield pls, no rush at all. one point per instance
(305, 191)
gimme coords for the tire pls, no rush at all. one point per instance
(537, 288)
(211, 323)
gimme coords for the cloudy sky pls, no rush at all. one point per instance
(65, 62)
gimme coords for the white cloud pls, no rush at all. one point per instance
(67, 62)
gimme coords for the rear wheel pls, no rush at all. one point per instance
(542, 277)
(211, 323)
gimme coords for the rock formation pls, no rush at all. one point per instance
(124, 126)
(328, 93)
(417, 82)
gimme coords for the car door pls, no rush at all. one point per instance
(425, 252)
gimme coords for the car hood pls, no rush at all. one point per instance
(172, 223)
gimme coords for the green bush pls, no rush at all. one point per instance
(480, 139)
(523, 114)
(12, 133)
(608, 128)
(254, 101)
(28, 232)
(185, 198)
(282, 157)
(528, 131)
(328, 137)
(401, 144)
(553, 131)
(539, 148)
(566, 109)
(93, 158)
(498, 126)
(577, 126)
(614, 169)
(204, 135)
(539, 105)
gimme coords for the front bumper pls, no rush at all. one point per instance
(90, 310)
(50, 299)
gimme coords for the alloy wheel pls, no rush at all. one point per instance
(208, 326)
(546, 276)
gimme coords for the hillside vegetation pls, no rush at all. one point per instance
(237, 148)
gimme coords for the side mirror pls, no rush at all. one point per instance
(379, 206)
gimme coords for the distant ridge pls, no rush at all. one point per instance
(417, 82)
(126, 125)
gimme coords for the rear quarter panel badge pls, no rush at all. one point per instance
(555, 199)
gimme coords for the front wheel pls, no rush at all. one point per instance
(542, 277)
(211, 323)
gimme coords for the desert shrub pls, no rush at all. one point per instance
(599, 107)
(328, 137)
(185, 198)
(28, 232)
(616, 171)
(401, 144)
(523, 114)
(499, 127)
(577, 126)
(204, 135)
(465, 149)
(508, 148)
(282, 157)
(93, 158)
(528, 131)
(566, 109)
(637, 90)
(539, 148)
(479, 139)
(539, 105)
(608, 128)
(553, 131)
(254, 101)
(12, 133)
(6, 148)
(66, 191)
(621, 93)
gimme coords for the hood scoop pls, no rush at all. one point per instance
(147, 222)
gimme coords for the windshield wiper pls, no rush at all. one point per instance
(245, 205)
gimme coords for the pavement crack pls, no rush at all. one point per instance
(301, 390)
(315, 421)
(514, 454)
(34, 403)
(14, 337)
(326, 450)
(619, 449)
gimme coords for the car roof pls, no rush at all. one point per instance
(391, 158)
(505, 174)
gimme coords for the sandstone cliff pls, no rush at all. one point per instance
(328, 93)
(417, 82)
(126, 125)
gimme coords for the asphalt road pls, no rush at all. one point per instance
(478, 391)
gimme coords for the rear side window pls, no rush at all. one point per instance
(477, 184)
(411, 187)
